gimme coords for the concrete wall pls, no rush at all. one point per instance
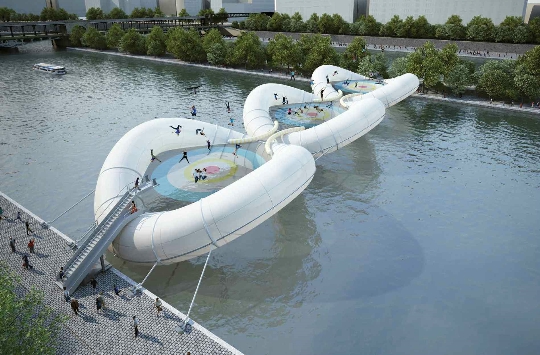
(438, 11)
(345, 8)
(253, 6)
(532, 11)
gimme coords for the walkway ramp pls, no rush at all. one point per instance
(97, 243)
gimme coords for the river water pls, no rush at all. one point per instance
(422, 237)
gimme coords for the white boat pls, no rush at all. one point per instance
(50, 68)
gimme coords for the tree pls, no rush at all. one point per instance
(504, 34)
(354, 52)
(297, 23)
(457, 79)
(186, 45)
(156, 42)
(390, 29)
(340, 27)
(257, 22)
(248, 51)
(212, 37)
(527, 84)
(373, 65)
(7, 14)
(117, 13)
(496, 78)
(130, 42)
(449, 58)
(366, 67)
(312, 24)
(316, 50)
(114, 35)
(422, 28)
(521, 35)
(183, 13)
(275, 23)
(454, 28)
(217, 54)
(530, 61)
(426, 63)
(28, 325)
(94, 13)
(326, 24)
(222, 15)
(534, 29)
(407, 28)
(480, 29)
(284, 52)
(369, 26)
(206, 12)
(286, 22)
(94, 39)
(398, 67)
(138, 12)
(77, 33)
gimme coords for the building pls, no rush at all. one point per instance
(243, 6)
(350, 10)
(108, 5)
(532, 10)
(438, 11)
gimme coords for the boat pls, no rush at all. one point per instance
(50, 68)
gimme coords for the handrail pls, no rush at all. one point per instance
(224, 145)
(272, 138)
(256, 138)
(69, 209)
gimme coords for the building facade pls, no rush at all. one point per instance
(240, 6)
(532, 10)
(350, 10)
(108, 5)
(438, 11)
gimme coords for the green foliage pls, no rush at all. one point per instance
(212, 37)
(457, 79)
(131, 42)
(248, 51)
(316, 50)
(526, 83)
(495, 78)
(77, 33)
(422, 28)
(312, 24)
(376, 65)
(283, 52)
(142, 12)
(530, 61)
(155, 42)
(50, 14)
(217, 54)
(186, 45)
(534, 29)
(297, 23)
(341, 27)
(504, 34)
(206, 12)
(117, 13)
(94, 13)
(512, 21)
(183, 13)
(28, 326)
(222, 15)
(114, 35)
(406, 28)
(257, 22)
(391, 28)
(94, 39)
(275, 23)
(158, 12)
(235, 24)
(426, 63)
(7, 14)
(480, 29)
(354, 52)
(398, 67)
(368, 26)
(521, 35)
(449, 58)
(326, 24)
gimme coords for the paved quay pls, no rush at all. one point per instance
(107, 332)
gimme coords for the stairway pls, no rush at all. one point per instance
(97, 243)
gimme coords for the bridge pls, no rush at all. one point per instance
(17, 33)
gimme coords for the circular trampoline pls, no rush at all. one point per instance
(306, 114)
(358, 86)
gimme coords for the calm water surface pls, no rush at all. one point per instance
(420, 238)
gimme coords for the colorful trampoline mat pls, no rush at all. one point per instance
(357, 86)
(306, 114)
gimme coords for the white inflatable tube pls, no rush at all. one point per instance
(334, 74)
(394, 91)
(261, 137)
(211, 222)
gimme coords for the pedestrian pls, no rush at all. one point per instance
(18, 216)
(31, 245)
(228, 107)
(184, 156)
(322, 92)
(196, 175)
(236, 147)
(116, 290)
(137, 184)
(98, 305)
(75, 306)
(1, 212)
(26, 262)
(193, 111)
(177, 130)
(327, 79)
(292, 75)
(284, 99)
(66, 295)
(101, 299)
(231, 123)
(28, 230)
(490, 101)
(93, 282)
(275, 96)
(153, 156)
(133, 208)
(12, 244)
(158, 305)
(136, 325)
(61, 273)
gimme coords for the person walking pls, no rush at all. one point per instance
(66, 295)
(61, 273)
(98, 305)
(28, 230)
(116, 290)
(101, 300)
(133, 208)
(232, 122)
(12, 244)
(208, 145)
(1, 212)
(75, 306)
(31, 245)
(137, 184)
(292, 76)
(93, 282)
(26, 262)
(184, 156)
(322, 94)
(18, 218)
(158, 305)
(193, 111)
(153, 156)
(136, 325)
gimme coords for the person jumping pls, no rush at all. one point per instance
(153, 156)
(184, 157)
(228, 107)
(208, 144)
(177, 129)
(236, 146)
(200, 131)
